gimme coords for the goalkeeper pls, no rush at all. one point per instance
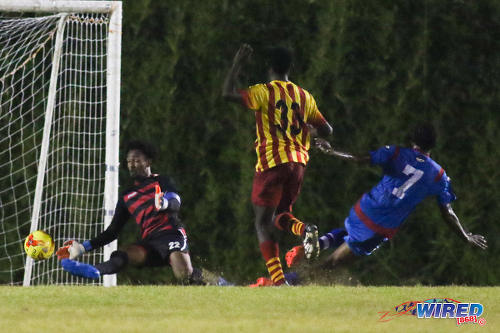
(154, 204)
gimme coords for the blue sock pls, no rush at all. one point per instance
(332, 239)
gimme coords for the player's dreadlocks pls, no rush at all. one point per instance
(145, 147)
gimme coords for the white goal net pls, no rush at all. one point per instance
(59, 112)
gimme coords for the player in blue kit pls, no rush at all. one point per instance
(410, 175)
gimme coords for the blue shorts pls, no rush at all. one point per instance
(361, 240)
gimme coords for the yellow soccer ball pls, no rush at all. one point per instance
(39, 245)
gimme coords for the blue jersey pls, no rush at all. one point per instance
(409, 177)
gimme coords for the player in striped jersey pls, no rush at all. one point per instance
(153, 203)
(286, 117)
(410, 175)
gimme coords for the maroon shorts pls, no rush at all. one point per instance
(278, 187)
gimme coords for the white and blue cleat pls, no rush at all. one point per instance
(223, 282)
(80, 269)
(311, 242)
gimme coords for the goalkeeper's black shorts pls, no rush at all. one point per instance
(160, 245)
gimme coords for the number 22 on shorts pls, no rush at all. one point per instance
(174, 245)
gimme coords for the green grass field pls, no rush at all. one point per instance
(232, 309)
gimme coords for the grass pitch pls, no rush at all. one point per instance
(232, 309)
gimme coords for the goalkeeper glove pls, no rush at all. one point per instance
(72, 249)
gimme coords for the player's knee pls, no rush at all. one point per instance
(136, 255)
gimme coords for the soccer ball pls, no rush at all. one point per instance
(39, 245)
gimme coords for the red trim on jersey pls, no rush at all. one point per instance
(272, 121)
(142, 199)
(132, 208)
(396, 154)
(245, 98)
(285, 137)
(139, 191)
(263, 141)
(148, 230)
(439, 175)
(417, 149)
(291, 92)
(302, 94)
(140, 205)
(387, 232)
(141, 214)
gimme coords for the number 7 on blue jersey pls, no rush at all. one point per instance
(416, 174)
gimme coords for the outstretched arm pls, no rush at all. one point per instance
(229, 89)
(452, 220)
(325, 147)
(322, 131)
(72, 249)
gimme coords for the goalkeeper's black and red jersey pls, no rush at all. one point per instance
(138, 202)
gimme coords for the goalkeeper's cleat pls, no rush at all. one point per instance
(223, 282)
(311, 242)
(294, 256)
(80, 269)
(262, 282)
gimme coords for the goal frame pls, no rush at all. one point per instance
(113, 78)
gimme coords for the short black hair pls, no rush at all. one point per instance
(144, 147)
(424, 136)
(279, 59)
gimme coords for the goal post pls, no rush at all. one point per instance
(59, 130)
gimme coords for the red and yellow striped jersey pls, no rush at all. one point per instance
(282, 110)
